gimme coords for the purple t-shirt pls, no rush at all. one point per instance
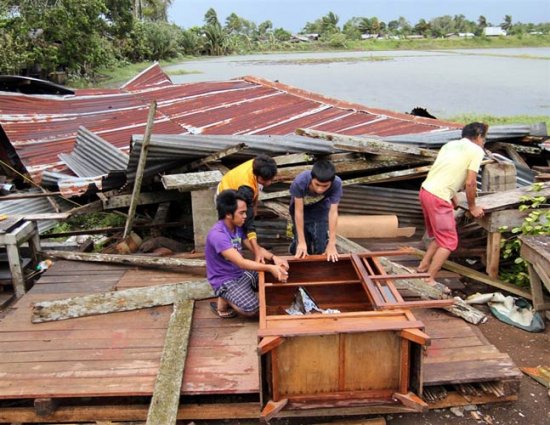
(316, 207)
(219, 239)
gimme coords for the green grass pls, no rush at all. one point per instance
(494, 120)
(320, 60)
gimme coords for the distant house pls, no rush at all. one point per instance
(494, 32)
(460, 35)
(369, 36)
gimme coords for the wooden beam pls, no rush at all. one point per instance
(367, 145)
(416, 336)
(412, 400)
(212, 158)
(272, 408)
(269, 343)
(481, 277)
(129, 412)
(146, 198)
(191, 181)
(135, 260)
(166, 394)
(117, 301)
(140, 169)
(377, 178)
(293, 158)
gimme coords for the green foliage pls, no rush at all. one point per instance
(537, 222)
(493, 120)
(91, 221)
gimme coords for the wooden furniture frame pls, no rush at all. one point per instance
(370, 353)
(536, 251)
(12, 239)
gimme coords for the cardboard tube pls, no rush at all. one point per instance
(371, 226)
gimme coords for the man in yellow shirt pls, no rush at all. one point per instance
(248, 179)
(455, 167)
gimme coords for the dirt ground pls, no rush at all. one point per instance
(532, 408)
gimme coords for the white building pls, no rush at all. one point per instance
(494, 32)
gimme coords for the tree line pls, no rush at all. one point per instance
(79, 37)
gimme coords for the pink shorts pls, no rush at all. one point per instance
(440, 220)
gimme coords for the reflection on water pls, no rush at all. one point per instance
(480, 81)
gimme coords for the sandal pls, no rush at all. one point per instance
(230, 313)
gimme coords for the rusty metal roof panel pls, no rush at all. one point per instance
(40, 128)
(152, 76)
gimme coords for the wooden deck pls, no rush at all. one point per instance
(117, 355)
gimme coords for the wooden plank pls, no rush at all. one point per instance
(470, 371)
(455, 399)
(144, 198)
(507, 199)
(216, 156)
(293, 158)
(191, 181)
(412, 400)
(416, 336)
(269, 343)
(334, 327)
(480, 277)
(377, 178)
(117, 301)
(272, 409)
(382, 369)
(136, 260)
(166, 395)
(303, 357)
(131, 412)
(366, 144)
(493, 221)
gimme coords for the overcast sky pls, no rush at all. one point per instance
(292, 15)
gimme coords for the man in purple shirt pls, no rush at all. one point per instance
(314, 211)
(233, 277)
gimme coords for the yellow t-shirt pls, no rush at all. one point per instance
(241, 175)
(448, 173)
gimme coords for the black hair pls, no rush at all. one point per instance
(264, 167)
(475, 129)
(227, 202)
(323, 170)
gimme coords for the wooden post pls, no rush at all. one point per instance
(493, 253)
(140, 169)
(204, 215)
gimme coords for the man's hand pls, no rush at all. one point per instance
(331, 252)
(280, 262)
(477, 212)
(279, 272)
(301, 250)
(259, 257)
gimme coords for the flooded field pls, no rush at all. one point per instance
(498, 82)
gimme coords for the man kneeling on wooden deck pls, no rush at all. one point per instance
(233, 277)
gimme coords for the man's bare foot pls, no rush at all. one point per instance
(421, 269)
(438, 285)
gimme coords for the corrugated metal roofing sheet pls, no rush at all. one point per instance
(40, 128)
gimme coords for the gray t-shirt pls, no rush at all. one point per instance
(316, 207)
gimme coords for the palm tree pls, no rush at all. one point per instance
(507, 24)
